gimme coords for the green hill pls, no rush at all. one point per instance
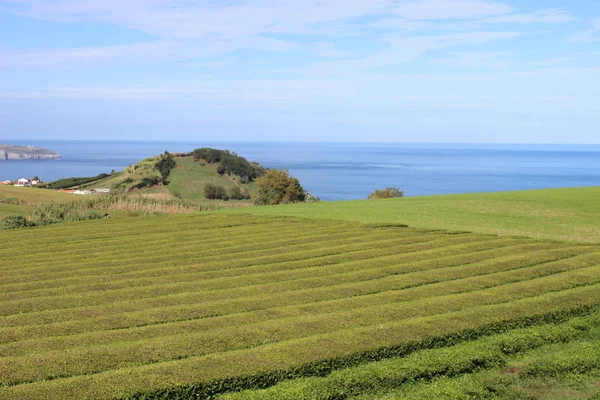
(187, 179)
(561, 214)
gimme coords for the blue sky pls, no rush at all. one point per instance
(519, 71)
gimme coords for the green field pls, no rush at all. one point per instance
(10, 209)
(196, 305)
(29, 196)
(560, 214)
(33, 195)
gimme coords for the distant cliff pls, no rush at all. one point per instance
(9, 152)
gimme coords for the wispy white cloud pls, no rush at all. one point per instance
(550, 63)
(139, 53)
(443, 9)
(206, 29)
(539, 17)
(401, 49)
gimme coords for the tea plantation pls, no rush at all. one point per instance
(193, 306)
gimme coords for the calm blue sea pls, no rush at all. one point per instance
(340, 171)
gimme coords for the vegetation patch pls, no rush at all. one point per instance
(230, 163)
(387, 193)
(15, 201)
(197, 305)
(75, 182)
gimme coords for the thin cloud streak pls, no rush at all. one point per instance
(208, 29)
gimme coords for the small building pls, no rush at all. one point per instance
(23, 182)
(6, 182)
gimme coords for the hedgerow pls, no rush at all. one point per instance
(72, 182)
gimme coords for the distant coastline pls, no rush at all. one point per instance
(349, 171)
(10, 152)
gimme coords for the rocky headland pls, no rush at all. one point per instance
(10, 152)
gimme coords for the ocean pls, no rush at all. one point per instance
(345, 171)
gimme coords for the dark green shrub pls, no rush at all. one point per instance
(165, 165)
(215, 192)
(208, 155)
(230, 163)
(235, 193)
(387, 193)
(15, 221)
(278, 186)
(146, 182)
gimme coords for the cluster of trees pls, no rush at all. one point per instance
(165, 165)
(218, 192)
(278, 186)
(230, 163)
(387, 193)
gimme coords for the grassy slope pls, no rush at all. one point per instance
(189, 178)
(122, 306)
(561, 214)
(137, 172)
(106, 183)
(31, 196)
(34, 196)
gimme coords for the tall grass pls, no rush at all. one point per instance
(94, 207)
(143, 205)
(12, 201)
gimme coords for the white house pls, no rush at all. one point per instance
(23, 182)
(6, 182)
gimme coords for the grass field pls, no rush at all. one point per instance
(197, 305)
(29, 196)
(561, 214)
(34, 196)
